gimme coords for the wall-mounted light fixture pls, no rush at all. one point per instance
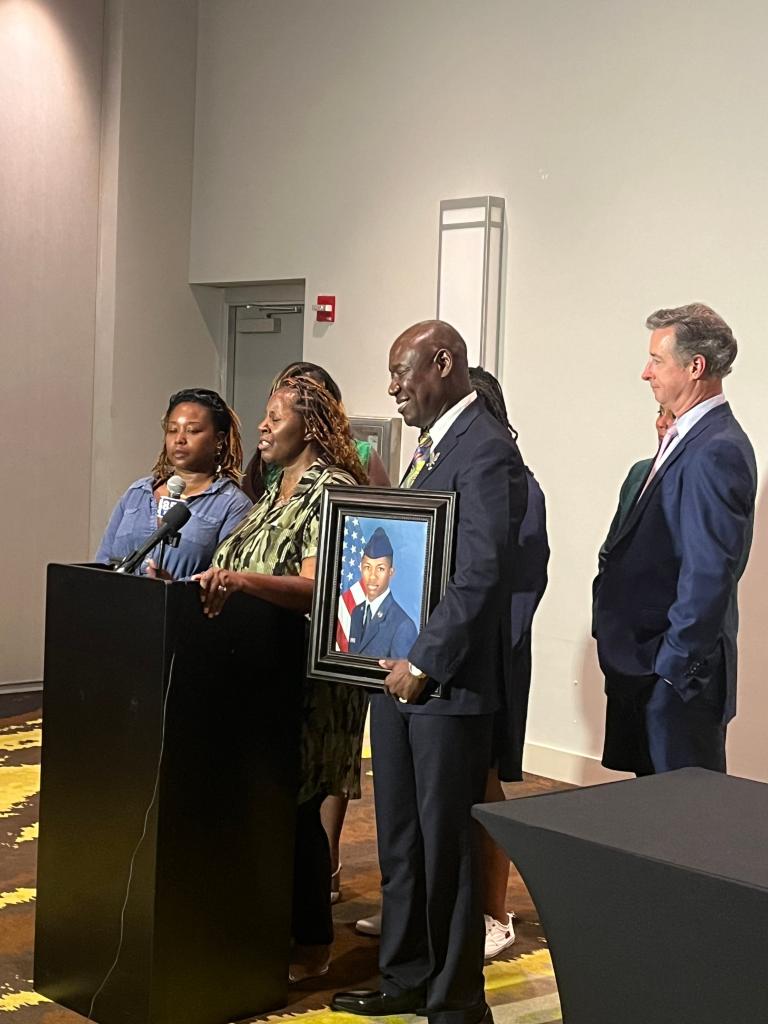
(469, 274)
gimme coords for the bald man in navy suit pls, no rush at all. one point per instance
(380, 628)
(432, 754)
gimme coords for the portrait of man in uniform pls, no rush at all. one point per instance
(380, 628)
(374, 621)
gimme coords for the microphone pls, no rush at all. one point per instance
(175, 487)
(176, 516)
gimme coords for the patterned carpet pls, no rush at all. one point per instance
(520, 986)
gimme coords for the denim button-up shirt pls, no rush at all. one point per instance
(215, 513)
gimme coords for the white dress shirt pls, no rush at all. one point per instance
(686, 421)
(443, 424)
(373, 606)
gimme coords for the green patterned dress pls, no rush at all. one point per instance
(275, 539)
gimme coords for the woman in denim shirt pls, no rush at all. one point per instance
(202, 446)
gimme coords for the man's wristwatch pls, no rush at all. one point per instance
(416, 671)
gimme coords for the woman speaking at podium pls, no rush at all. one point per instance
(272, 555)
(258, 475)
(256, 479)
(202, 447)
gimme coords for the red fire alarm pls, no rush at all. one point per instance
(326, 309)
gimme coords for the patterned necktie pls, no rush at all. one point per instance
(419, 460)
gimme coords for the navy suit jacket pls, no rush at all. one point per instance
(465, 644)
(666, 600)
(390, 633)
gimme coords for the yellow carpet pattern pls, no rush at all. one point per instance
(19, 788)
(519, 991)
(521, 988)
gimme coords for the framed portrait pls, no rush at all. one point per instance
(383, 563)
(384, 434)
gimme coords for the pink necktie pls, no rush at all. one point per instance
(669, 437)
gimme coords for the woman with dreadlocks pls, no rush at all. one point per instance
(529, 581)
(202, 446)
(305, 434)
(258, 473)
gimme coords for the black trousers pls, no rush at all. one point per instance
(311, 920)
(428, 771)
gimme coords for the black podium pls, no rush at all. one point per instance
(158, 720)
(653, 895)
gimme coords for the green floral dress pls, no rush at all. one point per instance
(275, 540)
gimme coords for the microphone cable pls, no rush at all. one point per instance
(136, 849)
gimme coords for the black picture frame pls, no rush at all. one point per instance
(412, 514)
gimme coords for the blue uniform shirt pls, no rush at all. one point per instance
(215, 513)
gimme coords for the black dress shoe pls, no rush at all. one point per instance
(370, 1003)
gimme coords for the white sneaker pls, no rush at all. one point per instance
(369, 925)
(498, 936)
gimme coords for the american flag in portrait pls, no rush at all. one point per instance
(351, 590)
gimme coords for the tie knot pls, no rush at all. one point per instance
(669, 437)
(425, 440)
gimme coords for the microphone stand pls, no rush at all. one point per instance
(171, 541)
(173, 520)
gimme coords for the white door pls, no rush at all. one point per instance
(264, 339)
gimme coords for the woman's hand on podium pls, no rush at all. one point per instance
(216, 585)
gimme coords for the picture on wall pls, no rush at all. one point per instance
(384, 435)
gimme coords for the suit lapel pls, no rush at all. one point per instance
(442, 451)
(711, 419)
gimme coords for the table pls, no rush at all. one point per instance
(653, 895)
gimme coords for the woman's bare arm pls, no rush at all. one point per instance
(291, 592)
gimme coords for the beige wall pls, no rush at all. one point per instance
(627, 141)
(98, 323)
(151, 337)
(50, 89)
